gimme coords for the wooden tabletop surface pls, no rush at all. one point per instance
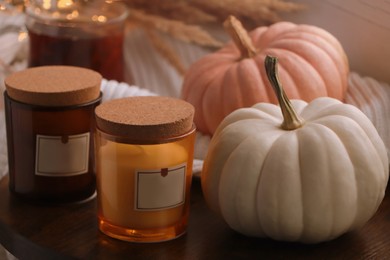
(70, 231)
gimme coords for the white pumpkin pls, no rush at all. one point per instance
(310, 181)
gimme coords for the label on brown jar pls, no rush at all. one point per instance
(58, 156)
(160, 188)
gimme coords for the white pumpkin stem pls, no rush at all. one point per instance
(291, 119)
(240, 37)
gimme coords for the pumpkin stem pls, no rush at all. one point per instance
(291, 119)
(240, 37)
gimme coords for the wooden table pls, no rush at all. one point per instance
(66, 232)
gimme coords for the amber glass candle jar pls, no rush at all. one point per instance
(50, 125)
(144, 149)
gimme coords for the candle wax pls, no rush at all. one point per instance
(118, 165)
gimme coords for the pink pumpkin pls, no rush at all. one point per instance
(312, 64)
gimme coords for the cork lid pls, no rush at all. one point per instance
(145, 118)
(54, 85)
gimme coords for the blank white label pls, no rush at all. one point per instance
(160, 188)
(62, 156)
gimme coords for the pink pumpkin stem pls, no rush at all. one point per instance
(291, 120)
(240, 37)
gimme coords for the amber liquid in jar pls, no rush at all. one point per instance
(88, 34)
(100, 53)
(24, 122)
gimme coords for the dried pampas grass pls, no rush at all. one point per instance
(186, 20)
(175, 28)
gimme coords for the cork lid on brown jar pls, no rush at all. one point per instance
(145, 119)
(54, 86)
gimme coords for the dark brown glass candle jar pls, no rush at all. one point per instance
(50, 124)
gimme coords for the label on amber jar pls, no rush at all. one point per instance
(62, 155)
(160, 188)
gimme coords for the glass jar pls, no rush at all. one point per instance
(144, 149)
(50, 124)
(86, 34)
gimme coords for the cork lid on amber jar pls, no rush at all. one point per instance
(145, 119)
(54, 86)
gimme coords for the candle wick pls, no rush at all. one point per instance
(64, 139)
(164, 172)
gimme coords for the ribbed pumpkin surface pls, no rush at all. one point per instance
(312, 63)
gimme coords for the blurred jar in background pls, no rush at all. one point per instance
(83, 33)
